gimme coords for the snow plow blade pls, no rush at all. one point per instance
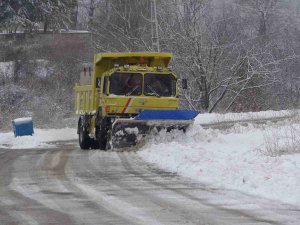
(130, 132)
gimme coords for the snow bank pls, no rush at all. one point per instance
(240, 158)
(6, 69)
(209, 118)
(40, 138)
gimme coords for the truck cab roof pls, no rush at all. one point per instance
(150, 59)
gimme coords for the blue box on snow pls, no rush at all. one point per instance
(23, 126)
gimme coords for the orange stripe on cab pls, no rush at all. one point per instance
(126, 105)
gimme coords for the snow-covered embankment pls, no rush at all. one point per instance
(263, 161)
(40, 138)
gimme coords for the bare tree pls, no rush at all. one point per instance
(121, 25)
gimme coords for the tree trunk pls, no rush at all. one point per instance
(46, 26)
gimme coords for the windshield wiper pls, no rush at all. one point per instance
(130, 92)
(153, 91)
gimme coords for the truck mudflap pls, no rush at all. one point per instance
(126, 133)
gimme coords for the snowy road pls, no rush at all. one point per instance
(68, 186)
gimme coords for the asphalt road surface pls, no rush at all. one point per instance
(66, 185)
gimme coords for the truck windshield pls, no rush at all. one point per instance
(160, 85)
(125, 84)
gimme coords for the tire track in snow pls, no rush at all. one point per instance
(130, 163)
(98, 188)
(96, 211)
(53, 189)
(22, 210)
(125, 178)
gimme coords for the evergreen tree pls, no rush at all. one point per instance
(15, 14)
(27, 14)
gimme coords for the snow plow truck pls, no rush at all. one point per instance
(125, 96)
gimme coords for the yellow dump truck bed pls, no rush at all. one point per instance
(84, 99)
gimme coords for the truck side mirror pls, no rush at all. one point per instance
(105, 85)
(98, 82)
(184, 84)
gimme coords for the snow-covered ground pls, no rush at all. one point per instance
(40, 139)
(211, 118)
(42, 68)
(262, 160)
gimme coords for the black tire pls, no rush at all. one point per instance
(94, 144)
(102, 133)
(83, 137)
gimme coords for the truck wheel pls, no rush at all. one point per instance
(103, 133)
(94, 144)
(84, 139)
